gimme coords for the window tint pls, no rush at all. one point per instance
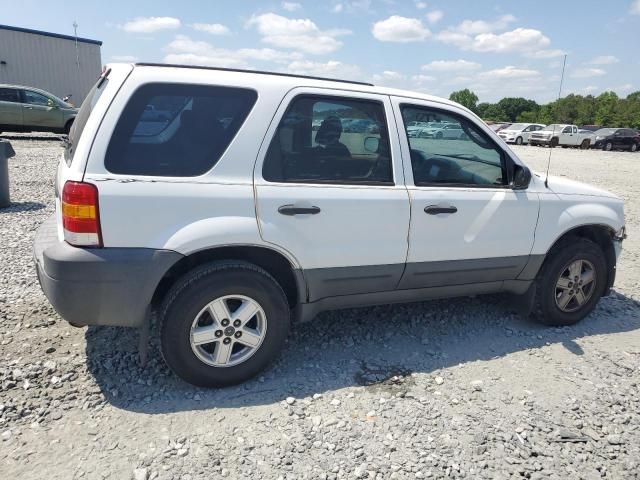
(452, 151)
(176, 130)
(34, 98)
(9, 95)
(330, 140)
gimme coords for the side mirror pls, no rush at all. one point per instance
(521, 177)
(371, 144)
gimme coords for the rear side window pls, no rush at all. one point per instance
(176, 130)
(77, 127)
(330, 140)
(9, 95)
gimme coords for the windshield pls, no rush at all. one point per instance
(603, 132)
(518, 126)
(554, 126)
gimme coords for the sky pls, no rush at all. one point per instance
(495, 48)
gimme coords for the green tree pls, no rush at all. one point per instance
(491, 111)
(514, 106)
(466, 98)
(606, 111)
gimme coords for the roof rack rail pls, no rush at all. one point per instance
(259, 72)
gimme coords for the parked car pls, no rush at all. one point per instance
(28, 109)
(560, 135)
(518, 133)
(230, 233)
(442, 130)
(616, 139)
(496, 127)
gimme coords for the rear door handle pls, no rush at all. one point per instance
(29, 108)
(296, 210)
(438, 209)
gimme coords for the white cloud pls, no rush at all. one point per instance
(420, 79)
(589, 89)
(508, 72)
(475, 27)
(545, 54)
(337, 8)
(291, 6)
(185, 50)
(151, 24)
(331, 69)
(297, 34)
(211, 28)
(434, 16)
(603, 60)
(400, 29)
(588, 72)
(451, 66)
(520, 39)
(421, 5)
(635, 7)
(124, 58)
(388, 78)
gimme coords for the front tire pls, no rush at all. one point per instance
(223, 323)
(634, 147)
(607, 147)
(519, 141)
(570, 283)
(554, 142)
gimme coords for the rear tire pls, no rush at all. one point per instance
(554, 142)
(608, 146)
(67, 127)
(194, 341)
(634, 147)
(562, 300)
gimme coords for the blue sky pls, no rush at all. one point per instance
(496, 48)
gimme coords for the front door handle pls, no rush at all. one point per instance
(29, 108)
(297, 210)
(438, 209)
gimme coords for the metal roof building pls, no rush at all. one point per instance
(60, 64)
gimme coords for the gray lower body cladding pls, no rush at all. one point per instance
(105, 286)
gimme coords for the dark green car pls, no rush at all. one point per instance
(28, 109)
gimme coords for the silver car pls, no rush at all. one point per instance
(28, 109)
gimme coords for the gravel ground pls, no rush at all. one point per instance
(463, 388)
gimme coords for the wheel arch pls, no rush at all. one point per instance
(288, 275)
(601, 234)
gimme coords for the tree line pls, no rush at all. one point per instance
(607, 109)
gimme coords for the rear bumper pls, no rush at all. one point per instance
(102, 286)
(534, 141)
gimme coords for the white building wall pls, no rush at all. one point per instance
(49, 63)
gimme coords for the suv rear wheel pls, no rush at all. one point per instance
(572, 280)
(223, 323)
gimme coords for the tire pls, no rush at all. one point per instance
(184, 310)
(585, 145)
(439, 135)
(67, 127)
(634, 147)
(519, 141)
(549, 296)
(608, 146)
(554, 142)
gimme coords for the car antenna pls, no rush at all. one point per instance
(546, 178)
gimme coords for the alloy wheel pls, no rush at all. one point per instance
(228, 331)
(575, 286)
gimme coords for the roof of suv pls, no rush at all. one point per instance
(290, 78)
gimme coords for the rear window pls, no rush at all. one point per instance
(81, 119)
(176, 130)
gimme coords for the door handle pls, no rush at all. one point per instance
(29, 108)
(438, 209)
(293, 210)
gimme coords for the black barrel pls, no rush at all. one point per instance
(6, 152)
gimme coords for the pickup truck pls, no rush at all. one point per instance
(560, 135)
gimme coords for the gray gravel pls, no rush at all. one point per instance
(463, 388)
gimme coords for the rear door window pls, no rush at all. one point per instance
(176, 130)
(335, 140)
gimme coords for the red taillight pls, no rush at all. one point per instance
(80, 215)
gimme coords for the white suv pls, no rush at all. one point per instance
(243, 204)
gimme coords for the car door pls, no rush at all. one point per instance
(10, 107)
(467, 224)
(40, 111)
(335, 200)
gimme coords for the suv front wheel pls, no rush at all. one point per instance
(572, 280)
(223, 323)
